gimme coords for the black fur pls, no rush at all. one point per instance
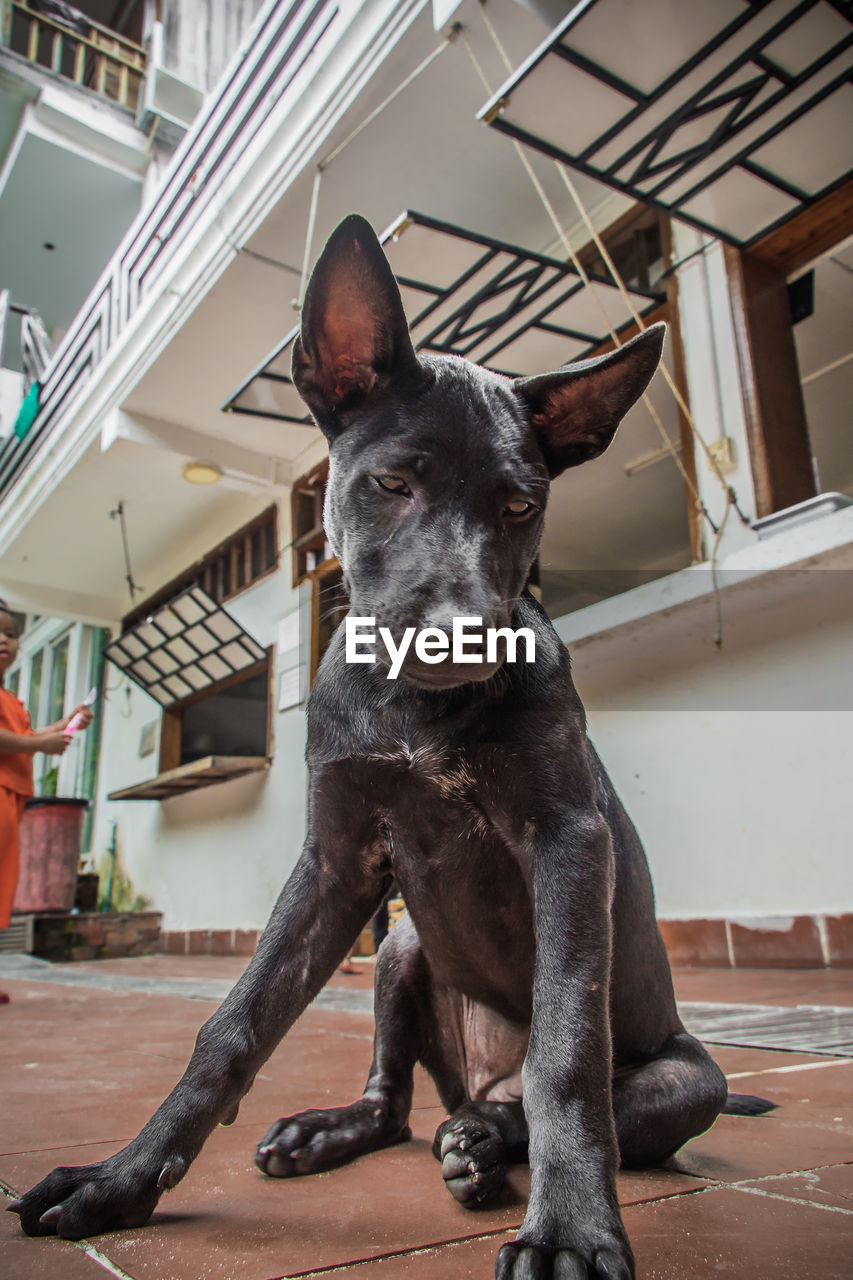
(529, 976)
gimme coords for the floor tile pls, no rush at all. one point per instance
(81, 1064)
(739, 1236)
(766, 986)
(252, 1227)
(798, 1137)
(49, 1260)
(830, 1186)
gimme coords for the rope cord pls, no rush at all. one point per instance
(731, 498)
(324, 163)
(413, 75)
(584, 275)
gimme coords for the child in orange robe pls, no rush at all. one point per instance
(18, 744)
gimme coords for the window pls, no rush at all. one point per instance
(311, 550)
(58, 680)
(314, 561)
(213, 680)
(235, 564)
(34, 695)
(232, 721)
(329, 605)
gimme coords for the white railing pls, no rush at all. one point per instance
(227, 122)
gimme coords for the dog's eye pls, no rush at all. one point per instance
(518, 509)
(393, 484)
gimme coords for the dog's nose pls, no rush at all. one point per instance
(489, 618)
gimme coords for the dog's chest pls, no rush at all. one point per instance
(424, 758)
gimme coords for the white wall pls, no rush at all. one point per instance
(201, 38)
(217, 857)
(735, 765)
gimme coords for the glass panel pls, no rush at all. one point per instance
(164, 661)
(34, 696)
(181, 650)
(201, 639)
(12, 682)
(133, 646)
(230, 723)
(187, 610)
(216, 667)
(150, 635)
(58, 679)
(145, 672)
(196, 677)
(223, 627)
(236, 655)
(177, 686)
(167, 621)
(203, 600)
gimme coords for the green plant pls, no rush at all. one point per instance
(49, 779)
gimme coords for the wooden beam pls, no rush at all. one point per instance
(809, 234)
(777, 432)
(679, 374)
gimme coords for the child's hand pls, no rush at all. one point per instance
(85, 713)
(52, 742)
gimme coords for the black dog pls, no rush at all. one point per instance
(530, 964)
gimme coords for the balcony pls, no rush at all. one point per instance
(133, 279)
(78, 49)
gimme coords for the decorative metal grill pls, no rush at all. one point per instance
(732, 114)
(187, 646)
(821, 1029)
(466, 294)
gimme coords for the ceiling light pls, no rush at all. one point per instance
(201, 472)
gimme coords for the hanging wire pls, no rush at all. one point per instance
(584, 275)
(395, 93)
(309, 235)
(731, 497)
(667, 376)
(118, 513)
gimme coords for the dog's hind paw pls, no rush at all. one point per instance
(473, 1160)
(312, 1141)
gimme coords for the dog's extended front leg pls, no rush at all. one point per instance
(316, 918)
(572, 1226)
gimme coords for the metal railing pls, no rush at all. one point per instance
(32, 354)
(85, 53)
(283, 43)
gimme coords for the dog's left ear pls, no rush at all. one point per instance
(576, 410)
(355, 338)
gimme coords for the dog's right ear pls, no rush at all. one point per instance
(355, 339)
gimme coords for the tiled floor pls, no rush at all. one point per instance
(84, 1065)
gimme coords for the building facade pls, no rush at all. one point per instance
(697, 571)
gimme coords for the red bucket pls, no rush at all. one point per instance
(50, 851)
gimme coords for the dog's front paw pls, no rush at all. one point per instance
(312, 1141)
(87, 1200)
(522, 1261)
(473, 1160)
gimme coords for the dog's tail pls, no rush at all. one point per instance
(746, 1104)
